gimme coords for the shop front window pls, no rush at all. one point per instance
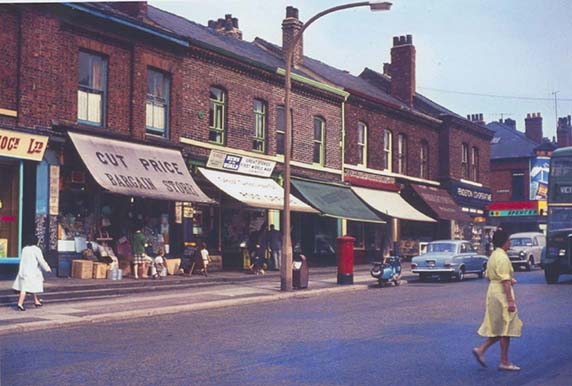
(9, 209)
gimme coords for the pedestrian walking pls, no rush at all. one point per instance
(30, 277)
(501, 321)
(205, 258)
(275, 245)
(138, 251)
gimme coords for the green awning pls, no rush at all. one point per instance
(335, 201)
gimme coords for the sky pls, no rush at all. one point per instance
(514, 53)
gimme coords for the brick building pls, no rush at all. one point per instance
(147, 84)
(399, 144)
(199, 112)
(519, 174)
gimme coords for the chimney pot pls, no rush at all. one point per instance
(235, 22)
(292, 12)
(291, 26)
(395, 41)
(469, 117)
(409, 39)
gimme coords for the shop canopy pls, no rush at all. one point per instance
(441, 202)
(138, 170)
(335, 201)
(390, 204)
(257, 192)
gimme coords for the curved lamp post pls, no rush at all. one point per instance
(286, 263)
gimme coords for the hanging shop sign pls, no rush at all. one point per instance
(138, 170)
(471, 196)
(539, 171)
(16, 144)
(54, 201)
(240, 164)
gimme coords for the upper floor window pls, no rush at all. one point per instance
(475, 163)
(362, 143)
(517, 186)
(92, 88)
(387, 149)
(157, 109)
(465, 161)
(318, 155)
(259, 140)
(217, 115)
(401, 154)
(280, 129)
(424, 160)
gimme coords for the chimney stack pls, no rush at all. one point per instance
(403, 69)
(476, 118)
(137, 9)
(533, 127)
(564, 131)
(227, 26)
(510, 123)
(291, 25)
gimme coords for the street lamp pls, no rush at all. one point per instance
(286, 263)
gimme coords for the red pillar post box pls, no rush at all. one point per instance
(345, 252)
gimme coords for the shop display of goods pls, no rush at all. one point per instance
(82, 269)
(99, 270)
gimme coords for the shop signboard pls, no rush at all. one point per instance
(16, 144)
(138, 170)
(539, 171)
(241, 164)
(514, 209)
(471, 196)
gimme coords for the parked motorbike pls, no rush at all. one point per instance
(387, 271)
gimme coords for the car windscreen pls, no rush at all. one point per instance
(441, 247)
(521, 242)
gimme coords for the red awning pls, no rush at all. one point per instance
(441, 202)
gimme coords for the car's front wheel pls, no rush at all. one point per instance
(461, 274)
(530, 263)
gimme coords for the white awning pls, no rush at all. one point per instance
(138, 170)
(257, 192)
(391, 204)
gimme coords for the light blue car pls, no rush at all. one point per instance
(448, 259)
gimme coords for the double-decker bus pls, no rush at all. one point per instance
(557, 257)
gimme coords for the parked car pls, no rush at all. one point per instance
(526, 249)
(449, 259)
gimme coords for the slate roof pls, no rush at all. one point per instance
(510, 143)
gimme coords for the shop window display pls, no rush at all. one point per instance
(9, 210)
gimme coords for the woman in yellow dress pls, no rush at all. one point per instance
(501, 321)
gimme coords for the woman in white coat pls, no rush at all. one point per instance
(30, 278)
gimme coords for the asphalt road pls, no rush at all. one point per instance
(416, 334)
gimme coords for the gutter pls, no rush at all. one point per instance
(130, 24)
(316, 84)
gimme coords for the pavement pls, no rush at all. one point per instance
(69, 302)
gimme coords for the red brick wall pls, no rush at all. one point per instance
(8, 58)
(501, 178)
(456, 136)
(377, 122)
(242, 89)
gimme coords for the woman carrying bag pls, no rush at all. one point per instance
(30, 277)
